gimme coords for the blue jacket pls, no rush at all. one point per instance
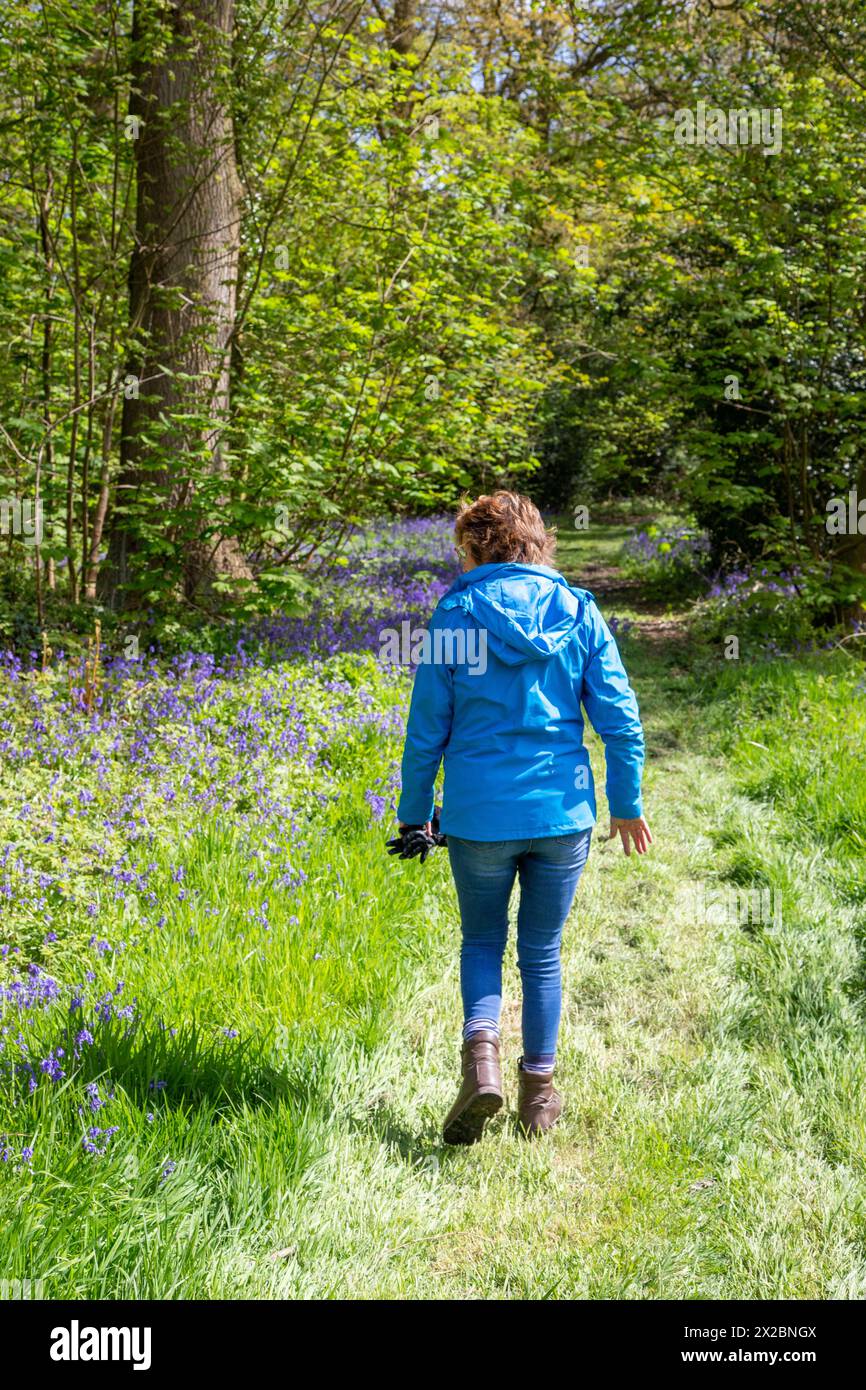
(512, 651)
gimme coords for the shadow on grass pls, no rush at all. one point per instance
(191, 1067)
(423, 1149)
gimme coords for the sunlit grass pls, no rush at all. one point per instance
(713, 1143)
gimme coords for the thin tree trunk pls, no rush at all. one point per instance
(91, 570)
(45, 366)
(76, 375)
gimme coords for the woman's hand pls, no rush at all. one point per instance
(413, 841)
(634, 831)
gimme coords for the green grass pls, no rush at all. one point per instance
(599, 544)
(714, 1140)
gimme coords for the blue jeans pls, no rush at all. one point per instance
(484, 872)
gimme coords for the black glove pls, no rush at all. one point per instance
(414, 839)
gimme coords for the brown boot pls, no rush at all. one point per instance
(538, 1105)
(481, 1093)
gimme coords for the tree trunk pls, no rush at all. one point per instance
(182, 284)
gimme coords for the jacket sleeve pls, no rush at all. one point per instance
(612, 709)
(427, 734)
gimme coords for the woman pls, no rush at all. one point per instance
(518, 799)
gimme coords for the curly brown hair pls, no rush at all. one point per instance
(504, 527)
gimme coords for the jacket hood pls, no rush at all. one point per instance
(528, 611)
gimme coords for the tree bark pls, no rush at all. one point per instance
(182, 284)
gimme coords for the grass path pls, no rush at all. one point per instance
(687, 1164)
(244, 1099)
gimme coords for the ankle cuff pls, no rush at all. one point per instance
(479, 1025)
(540, 1065)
